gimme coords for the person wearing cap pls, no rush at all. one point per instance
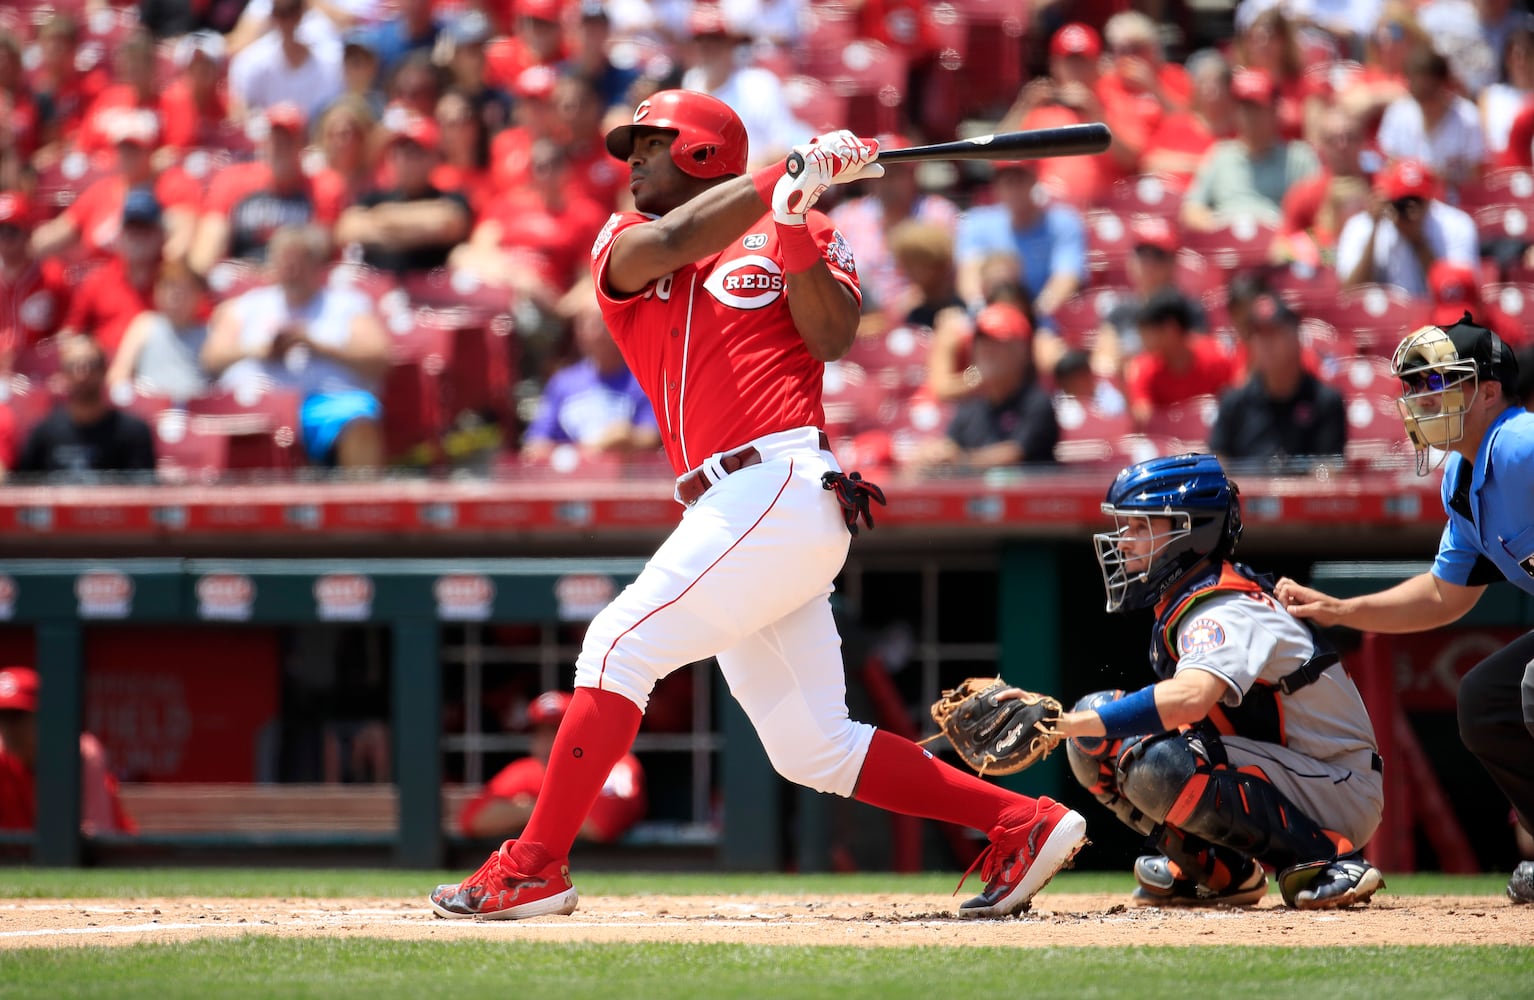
(281, 67)
(85, 435)
(113, 293)
(1178, 144)
(194, 109)
(1048, 239)
(1009, 418)
(589, 57)
(1068, 96)
(1455, 289)
(299, 333)
(1174, 363)
(1283, 418)
(1405, 230)
(33, 293)
(247, 202)
(101, 811)
(1152, 269)
(537, 39)
(413, 226)
(1459, 402)
(533, 117)
(1433, 124)
(503, 806)
(1247, 176)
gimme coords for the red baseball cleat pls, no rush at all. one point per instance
(1022, 859)
(499, 892)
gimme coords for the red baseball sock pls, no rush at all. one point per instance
(900, 776)
(596, 732)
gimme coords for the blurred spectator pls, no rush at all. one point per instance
(321, 27)
(1248, 175)
(1404, 232)
(1075, 378)
(247, 202)
(175, 18)
(1498, 20)
(414, 29)
(112, 294)
(281, 68)
(1142, 88)
(1068, 96)
(537, 40)
(595, 403)
(1433, 124)
(1345, 21)
(1174, 364)
(714, 67)
(413, 226)
(1283, 412)
(1152, 270)
(93, 219)
(298, 333)
(490, 104)
(85, 434)
(19, 125)
(7, 441)
(923, 256)
(101, 811)
(1457, 28)
(1048, 239)
(534, 118)
(414, 87)
(1182, 138)
(590, 58)
(359, 73)
(1313, 212)
(949, 374)
(867, 223)
(345, 138)
(505, 804)
(1455, 290)
(1501, 102)
(1009, 418)
(1381, 80)
(161, 351)
(465, 165)
(62, 89)
(135, 92)
(195, 107)
(1270, 45)
(599, 175)
(33, 293)
(536, 239)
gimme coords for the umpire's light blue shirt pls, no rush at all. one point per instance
(1490, 534)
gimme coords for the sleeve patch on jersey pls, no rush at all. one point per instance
(839, 253)
(605, 236)
(1201, 636)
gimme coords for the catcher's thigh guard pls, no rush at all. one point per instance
(1182, 780)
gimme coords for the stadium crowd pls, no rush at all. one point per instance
(241, 234)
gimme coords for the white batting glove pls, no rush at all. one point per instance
(833, 158)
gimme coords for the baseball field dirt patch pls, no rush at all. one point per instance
(872, 920)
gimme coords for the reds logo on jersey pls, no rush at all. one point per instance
(750, 282)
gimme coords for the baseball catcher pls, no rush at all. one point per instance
(1252, 747)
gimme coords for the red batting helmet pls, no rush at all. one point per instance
(710, 138)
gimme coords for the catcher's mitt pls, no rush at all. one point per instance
(996, 736)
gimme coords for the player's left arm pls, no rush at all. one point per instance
(822, 299)
(1180, 700)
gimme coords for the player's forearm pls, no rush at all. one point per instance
(701, 227)
(1424, 602)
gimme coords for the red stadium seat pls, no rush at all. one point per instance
(1507, 185)
(850, 398)
(814, 103)
(1378, 315)
(895, 360)
(1241, 244)
(262, 428)
(1146, 194)
(920, 421)
(1187, 422)
(1376, 436)
(29, 403)
(1085, 311)
(1108, 246)
(1087, 435)
(185, 453)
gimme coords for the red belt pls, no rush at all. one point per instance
(696, 483)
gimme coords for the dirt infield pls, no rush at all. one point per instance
(1057, 919)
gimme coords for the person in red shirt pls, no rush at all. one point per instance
(1142, 88)
(113, 294)
(502, 808)
(100, 808)
(345, 138)
(1177, 145)
(578, 105)
(535, 117)
(248, 202)
(18, 111)
(465, 166)
(195, 107)
(538, 41)
(727, 293)
(1306, 230)
(135, 90)
(62, 90)
(33, 293)
(1174, 364)
(1270, 44)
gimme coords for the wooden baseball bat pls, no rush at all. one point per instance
(1064, 140)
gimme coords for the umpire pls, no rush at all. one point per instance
(1461, 409)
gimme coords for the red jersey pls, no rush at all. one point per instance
(184, 125)
(713, 344)
(1078, 180)
(18, 121)
(1147, 378)
(511, 158)
(18, 795)
(7, 459)
(556, 240)
(32, 306)
(95, 135)
(98, 212)
(473, 183)
(106, 302)
(619, 807)
(1182, 139)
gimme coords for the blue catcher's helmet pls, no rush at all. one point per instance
(1203, 506)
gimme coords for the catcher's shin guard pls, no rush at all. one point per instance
(1218, 874)
(1182, 780)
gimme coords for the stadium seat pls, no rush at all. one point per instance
(1241, 244)
(913, 425)
(184, 452)
(1108, 246)
(1087, 435)
(815, 104)
(1378, 315)
(1506, 185)
(1087, 310)
(895, 361)
(1505, 223)
(1145, 194)
(849, 397)
(262, 427)
(1187, 422)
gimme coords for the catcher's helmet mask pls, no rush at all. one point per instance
(710, 137)
(1204, 506)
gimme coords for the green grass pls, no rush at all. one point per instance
(130, 883)
(268, 967)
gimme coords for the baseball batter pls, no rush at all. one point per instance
(1460, 404)
(727, 294)
(1253, 745)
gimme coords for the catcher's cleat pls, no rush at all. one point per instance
(1162, 883)
(1330, 885)
(1520, 888)
(1021, 860)
(499, 892)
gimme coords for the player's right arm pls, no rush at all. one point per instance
(1416, 605)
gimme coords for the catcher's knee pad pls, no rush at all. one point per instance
(1184, 781)
(1092, 760)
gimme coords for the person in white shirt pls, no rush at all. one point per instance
(280, 67)
(1405, 232)
(1433, 124)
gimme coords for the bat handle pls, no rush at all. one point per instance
(795, 164)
